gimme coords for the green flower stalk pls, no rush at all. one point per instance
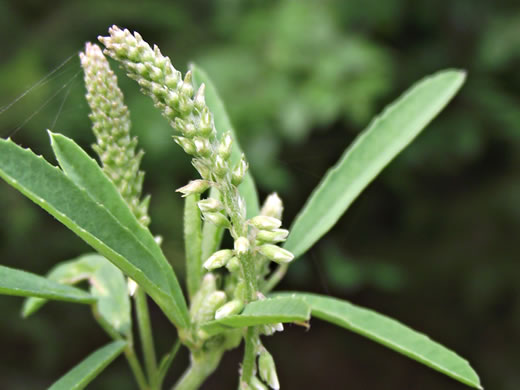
(111, 126)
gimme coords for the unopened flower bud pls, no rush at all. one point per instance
(273, 206)
(264, 222)
(202, 146)
(256, 384)
(210, 205)
(218, 259)
(185, 144)
(132, 286)
(201, 167)
(209, 306)
(233, 265)
(218, 219)
(228, 309)
(187, 86)
(199, 100)
(221, 166)
(276, 254)
(240, 170)
(224, 148)
(272, 236)
(241, 246)
(194, 187)
(267, 369)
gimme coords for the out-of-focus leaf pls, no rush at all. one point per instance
(82, 374)
(25, 284)
(373, 149)
(107, 284)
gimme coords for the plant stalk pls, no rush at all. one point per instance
(248, 363)
(200, 368)
(129, 350)
(146, 336)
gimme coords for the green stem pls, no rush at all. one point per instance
(135, 366)
(166, 363)
(200, 368)
(146, 336)
(248, 363)
(129, 351)
(275, 278)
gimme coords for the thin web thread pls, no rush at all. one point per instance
(53, 74)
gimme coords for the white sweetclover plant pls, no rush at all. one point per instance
(229, 290)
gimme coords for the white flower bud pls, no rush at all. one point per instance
(232, 307)
(272, 236)
(276, 254)
(209, 306)
(187, 87)
(267, 369)
(240, 170)
(224, 148)
(241, 246)
(273, 206)
(201, 167)
(132, 287)
(233, 265)
(199, 101)
(185, 144)
(221, 166)
(210, 205)
(218, 259)
(194, 187)
(256, 384)
(218, 219)
(202, 146)
(264, 222)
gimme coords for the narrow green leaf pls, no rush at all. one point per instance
(373, 149)
(392, 334)
(25, 284)
(82, 374)
(85, 172)
(193, 243)
(48, 187)
(266, 311)
(222, 123)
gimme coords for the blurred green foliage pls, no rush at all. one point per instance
(432, 242)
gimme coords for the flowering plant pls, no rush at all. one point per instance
(229, 290)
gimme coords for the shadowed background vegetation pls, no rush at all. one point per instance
(433, 242)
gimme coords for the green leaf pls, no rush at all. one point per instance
(193, 243)
(25, 284)
(82, 374)
(107, 284)
(373, 149)
(223, 124)
(48, 187)
(85, 172)
(390, 333)
(266, 311)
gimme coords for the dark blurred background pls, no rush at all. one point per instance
(432, 242)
